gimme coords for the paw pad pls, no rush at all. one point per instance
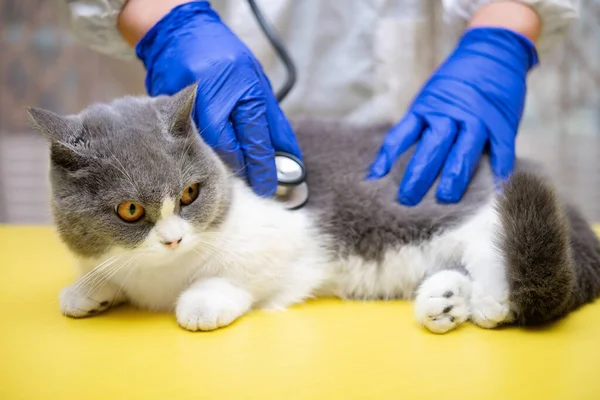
(442, 301)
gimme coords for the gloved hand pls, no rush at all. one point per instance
(236, 111)
(474, 98)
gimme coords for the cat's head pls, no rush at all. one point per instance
(133, 174)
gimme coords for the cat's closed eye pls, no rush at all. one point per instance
(190, 194)
(129, 211)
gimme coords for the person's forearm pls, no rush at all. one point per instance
(138, 16)
(511, 15)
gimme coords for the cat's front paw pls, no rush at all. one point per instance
(488, 311)
(210, 305)
(77, 301)
(442, 301)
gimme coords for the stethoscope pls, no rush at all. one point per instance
(292, 190)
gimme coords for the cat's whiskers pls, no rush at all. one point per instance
(98, 276)
(234, 173)
(205, 128)
(218, 237)
(111, 273)
(121, 168)
(210, 252)
(222, 251)
(207, 256)
(97, 269)
(133, 268)
(183, 155)
(184, 174)
(223, 244)
(213, 250)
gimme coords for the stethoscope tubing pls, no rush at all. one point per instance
(297, 185)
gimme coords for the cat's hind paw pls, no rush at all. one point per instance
(487, 311)
(442, 301)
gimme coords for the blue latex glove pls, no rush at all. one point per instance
(476, 97)
(236, 111)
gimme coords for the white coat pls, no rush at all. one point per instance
(360, 60)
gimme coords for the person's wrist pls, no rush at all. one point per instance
(137, 17)
(510, 27)
(511, 15)
(498, 48)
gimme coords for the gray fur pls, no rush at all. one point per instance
(535, 242)
(146, 149)
(552, 253)
(139, 149)
(365, 216)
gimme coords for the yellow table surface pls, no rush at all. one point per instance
(319, 350)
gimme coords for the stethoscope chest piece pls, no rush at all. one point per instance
(292, 190)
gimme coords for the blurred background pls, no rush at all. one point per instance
(41, 64)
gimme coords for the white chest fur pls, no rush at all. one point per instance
(274, 254)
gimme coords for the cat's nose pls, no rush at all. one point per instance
(172, 244)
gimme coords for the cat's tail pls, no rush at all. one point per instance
(552, 254)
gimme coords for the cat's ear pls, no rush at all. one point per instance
(54, 127)
(181, 110)
(65, 135)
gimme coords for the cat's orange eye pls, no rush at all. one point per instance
(190, 194)
(130, 212)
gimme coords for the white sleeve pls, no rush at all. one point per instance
(556, 16)
(94, 24)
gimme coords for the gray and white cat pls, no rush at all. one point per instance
(154, 218)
